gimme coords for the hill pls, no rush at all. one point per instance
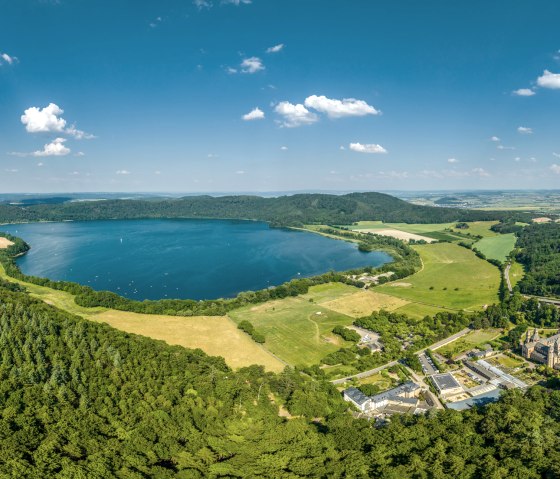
(295, 210)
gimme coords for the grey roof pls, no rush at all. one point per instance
(407, 387)
(356, 395)
(481, 400)
(445, 381)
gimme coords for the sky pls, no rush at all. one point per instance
(278, 95)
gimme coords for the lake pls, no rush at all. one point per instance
(195, 259)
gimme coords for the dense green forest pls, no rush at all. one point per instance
(82, 400)
(539, 253)
(295, 210)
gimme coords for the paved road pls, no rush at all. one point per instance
(371, 372)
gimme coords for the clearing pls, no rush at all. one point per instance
(516, 273)
(5, 243)
(452, 277)
(496, 247)
(215, 335)
(402, 235)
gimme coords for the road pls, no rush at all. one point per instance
(371, 372)
(506, 276)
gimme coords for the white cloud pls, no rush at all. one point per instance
(237, 2)
(524, 92)
(5, 58)
(555, 169)
(481, 172)
(294, 115)
(494, 138)
(275, 48)
(157, 172)
(557, 155)
(502, 147)
(122, 172)
(342, 147)
(54, 148)
(37, 120)
(517, 159)
(79, 153)
(549, 80)
(11, 170)
(283, 148)
(525, 130)
(231, 70)
(49, 120)
(239, 172)
(252, 65)
(452, 160)
(340, 108)
(255, 114)
(367, 148)
(394, 175)
(200, 4)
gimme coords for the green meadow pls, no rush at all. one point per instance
(496, 247)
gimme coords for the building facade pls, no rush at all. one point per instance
(544, 351)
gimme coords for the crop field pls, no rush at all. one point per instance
(452, 277)
(215, 335)
(296, 330)
(496, 247)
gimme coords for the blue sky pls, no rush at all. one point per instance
(270, 95)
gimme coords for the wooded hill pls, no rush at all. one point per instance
(295, 210)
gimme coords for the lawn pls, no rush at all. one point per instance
(215, 335)
(472, 340)
(496, 247)
(452, 277)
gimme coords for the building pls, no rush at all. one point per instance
(480, 370)
(544, 351)
(357, 398)
(446, 384)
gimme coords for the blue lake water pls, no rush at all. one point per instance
(196, 259)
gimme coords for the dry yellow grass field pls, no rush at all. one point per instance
(363, 303)
(5, 242)
(215, 335)
(402, 235)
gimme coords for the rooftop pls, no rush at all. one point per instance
(356, 395)
(445, 381)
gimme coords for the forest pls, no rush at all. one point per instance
(82, 400)
(295, 210)
(539, 252)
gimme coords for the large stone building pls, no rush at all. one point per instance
(545, 351)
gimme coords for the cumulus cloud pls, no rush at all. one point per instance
(283, 148)
(255, 114)
(252, 65)
(555, 169)
(524, 92)
(494, 138)
(200, 4)
(339, 108)
(5, 58)
(49, 120)
(54, 148)
(549, 80)
(502, 147)
(122, 172)
(38, 120)
(275, 48)
(294, 115)
(367, 148)
(452, 160)
(525, 130)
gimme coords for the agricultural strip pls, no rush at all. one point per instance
(452, 277)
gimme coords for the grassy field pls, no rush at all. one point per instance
(516, 272)
(480, 228)
(496, 247)
(409, 228)
(452, 277)
(296, 330)
(472, 340)
(215, 335)
(362, 303)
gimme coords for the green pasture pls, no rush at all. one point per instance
(452, 277)
(476, 339)
(516, 273)
(496, 247)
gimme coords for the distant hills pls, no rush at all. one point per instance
(294, 210)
